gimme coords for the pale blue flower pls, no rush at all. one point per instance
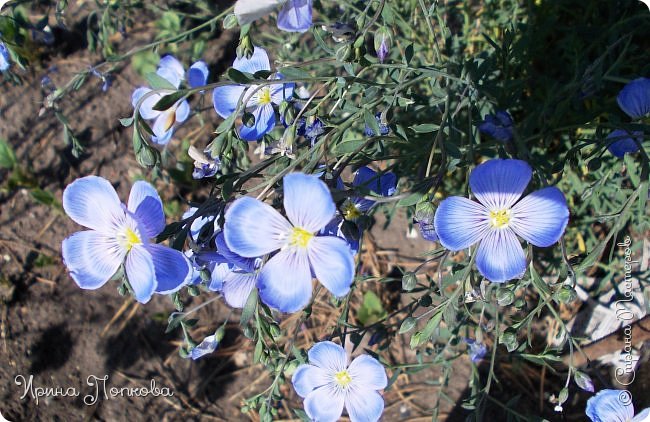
(328, 383)
(258, 101)
(499, 216)
(476, 350)
(164, 121)
(120, 235)
(294, 16)
(614, 406)
(634, 98)
(207, 346)
(5, 59)
(253, 229)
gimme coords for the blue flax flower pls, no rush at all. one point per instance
(5, 60)
(204, 164)
(614, 406)
(383, 127)
(259, 101)
(207, 346)
(253, 229)
(294, 16)
(498, 126)
(171, 70)
(476, 350)
(368, 179)
(120, 235)
(634, 98)
(623, 142)
(328, 384)
(500, 216)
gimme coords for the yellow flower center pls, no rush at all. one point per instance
(500, 219)
(264, 96)
(343, 378)
(129, 239)
(299, 237)
(350, 211)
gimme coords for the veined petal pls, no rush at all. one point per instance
(237, 287)
(145, 203)
(225, 99)
(634, 98)
(295, 16)
(164, 139)
(644, 416)
(207, 346)
(498, 184)
(607, 406)
(332, 262)
(281, 92)
(264, 123)
(325, 404)
(460, 222)
(307, 201)
(500, 257)
(307, 378)
(182, 111)
(92, 258)
(218, 276)
(253, 228)
(92, 202)
(198, 74)
(329, 356)
(285, 280)
(141, 273)
(364, 405)
(367, 373)
(248, 11)
(541, 217)
(173, 269)
(171, 69)
(258, 61)
(164, 122)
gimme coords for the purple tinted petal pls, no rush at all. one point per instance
(146, 108)
(163, 140)
(92, 202)
(644, 416)
(225, 99)
(285, 281)
(92, 258)
(4, 57)
(634, 98)
(164, 123)
(622, 142)
(367, 373)
(238, 286)
(198, 74)
(182, 111)
(325, 404)
(264, 123)
(207, 346)
(246, 264)
(500, 257)
(332, 262)
(141, 273)
(145, 203)
(607, 406)
(328, 356)
(295, 16)
(248, 11)
(541, 217)
(306, 378)
(218, 276)
(364, 405)
(253, 228)
(173, 269)
(307, 201)
(498, 184)
(460, 222)
(258, 61)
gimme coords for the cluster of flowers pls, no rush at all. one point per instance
(258, 248)
(633, 99)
